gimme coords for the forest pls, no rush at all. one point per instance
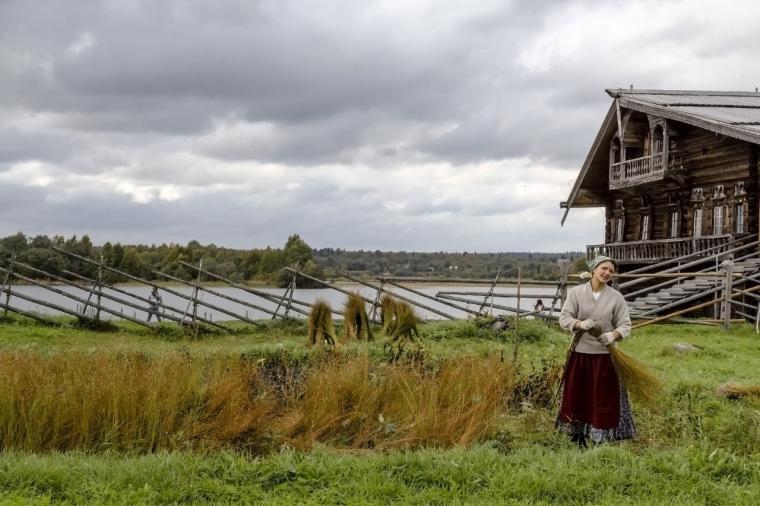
(265, 265)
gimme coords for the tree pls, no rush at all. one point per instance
(297, 251)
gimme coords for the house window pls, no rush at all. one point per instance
(697, 222)
(675, 224)
(739, 219)
(619, 230)
(645, 227)
(717, 220)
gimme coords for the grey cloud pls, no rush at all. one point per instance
(138, 90)
(17, 145)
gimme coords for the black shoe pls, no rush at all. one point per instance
(580, 440)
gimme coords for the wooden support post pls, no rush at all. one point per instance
(195, 294)
(75, 298)
(489, 294)
(268, 296)
(220, 295)
(143, 281)
(728, 267)
(399, 297)
(287, 295)
(100, 286)
(435, 298)
(6, 281)
(164, 306)
(517, 318)
(40, 302)
(329, 285)
(28, 314)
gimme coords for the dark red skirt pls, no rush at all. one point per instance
(591, 393)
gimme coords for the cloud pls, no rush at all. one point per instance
(434, 125)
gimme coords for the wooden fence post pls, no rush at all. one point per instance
(7, 281)
(728, 267)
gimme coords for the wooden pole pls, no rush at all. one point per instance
(195, 292)
(289, 306)
(469, 301)
(689, 309)
(728, 267)
(287, 295)
(80, 287)
(166, 315)
(396, 295)
(218, 294)
(100, 286)
(144, 281)
(436, 299)
(40, 302)
(264, 295)
(78, 299)
(501, 295)
(489, 294)
(417, 279)
(517, 318)
(104, 294)
(28, 314)
(329, 285)
(6, 279)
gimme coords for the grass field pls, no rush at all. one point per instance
(129, 416)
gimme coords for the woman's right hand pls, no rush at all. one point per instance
(586, 324)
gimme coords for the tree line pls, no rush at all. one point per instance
(265, 265)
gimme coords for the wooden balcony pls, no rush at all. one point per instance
(657, 250)
(637, 171)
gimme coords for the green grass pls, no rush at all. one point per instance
(612, 474)
(696, 448)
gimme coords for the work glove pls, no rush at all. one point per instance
(587, 324)
(607, 338)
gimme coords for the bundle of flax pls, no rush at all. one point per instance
(733, 390)
(643, 385)
(640, 382)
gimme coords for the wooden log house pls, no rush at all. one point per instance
(676, 171)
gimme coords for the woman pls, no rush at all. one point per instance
(594, 405)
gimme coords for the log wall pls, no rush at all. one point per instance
(708, 159)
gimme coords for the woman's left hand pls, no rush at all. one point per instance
(607, 338)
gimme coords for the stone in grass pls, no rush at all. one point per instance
(686, 348)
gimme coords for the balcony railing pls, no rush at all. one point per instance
(639, 170)
(657, 250)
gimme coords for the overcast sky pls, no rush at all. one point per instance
(392, 125)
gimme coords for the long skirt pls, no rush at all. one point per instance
(594, 404)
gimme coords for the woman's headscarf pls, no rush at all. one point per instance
(593, 264)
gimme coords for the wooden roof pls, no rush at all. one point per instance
(732, 113)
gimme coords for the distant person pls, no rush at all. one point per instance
(539, 305)
(155, 304)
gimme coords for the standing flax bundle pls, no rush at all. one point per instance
(355, 319)
(388, 314)
(406, 323)
(321, 328)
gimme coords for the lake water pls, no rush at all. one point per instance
(335, 298)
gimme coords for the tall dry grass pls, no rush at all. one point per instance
(134, 402)
(127, 402)
(362, 405)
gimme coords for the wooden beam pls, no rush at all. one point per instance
(729, 130)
